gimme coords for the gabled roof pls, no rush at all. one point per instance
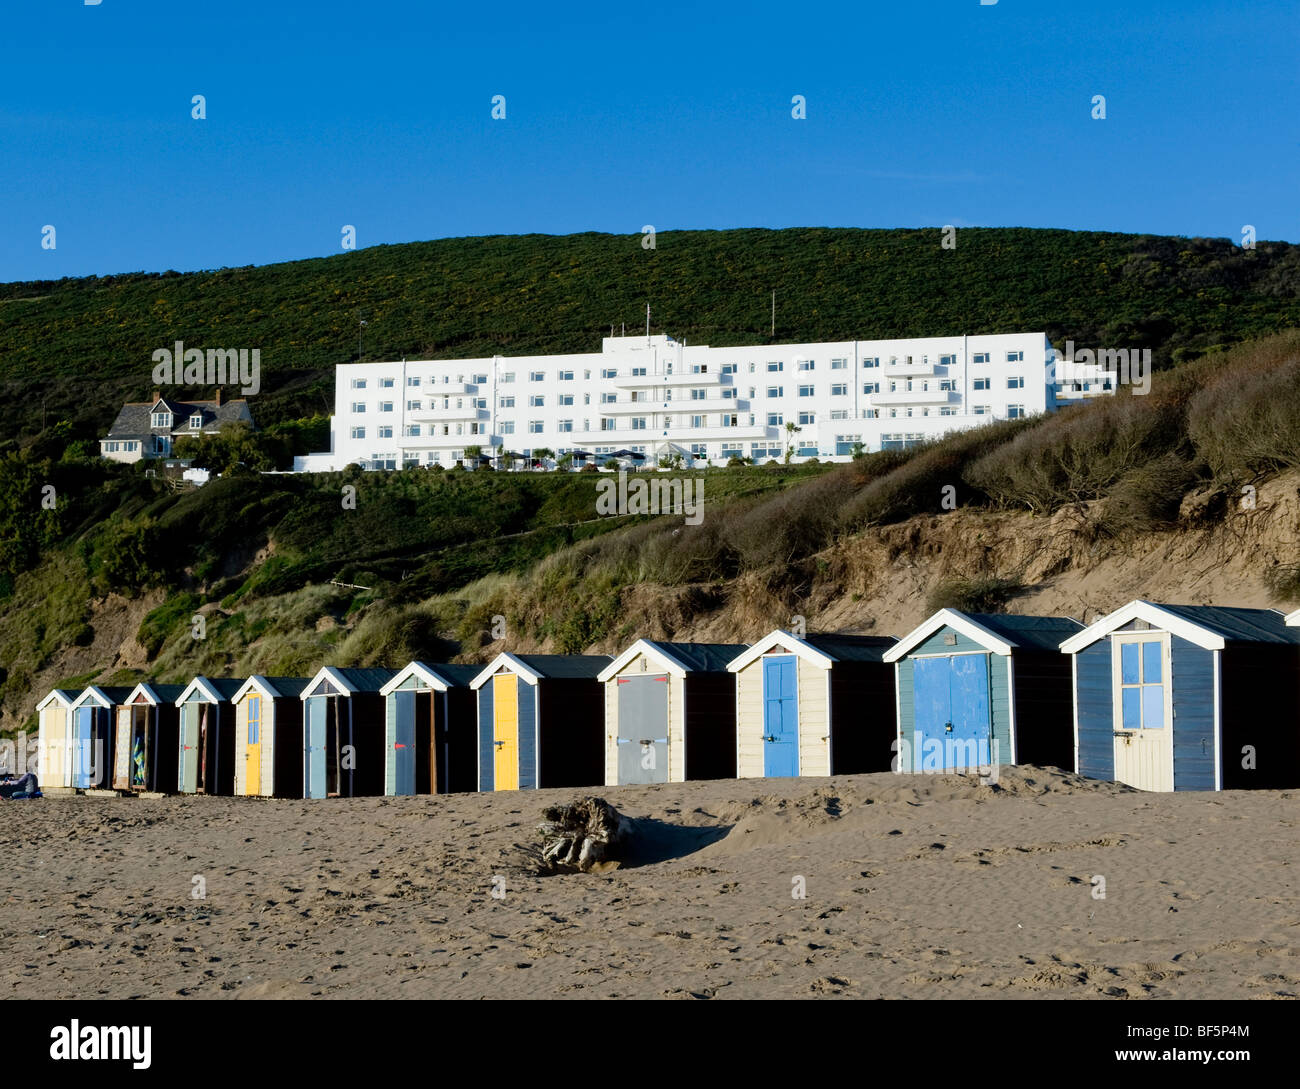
(999, 632)
(211, 690)
(535, 667)
(347, 680)
(103, 695)
(678, 659)
(1208, 626)
(823, 651)
(65, 696)
(272, 687)
(1293, 619)
(156, 693)
(440, 676)
(135, 420)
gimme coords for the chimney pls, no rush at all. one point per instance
(218, 397)
(156, 395)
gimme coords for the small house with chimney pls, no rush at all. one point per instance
(147, 429)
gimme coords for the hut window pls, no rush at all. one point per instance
(950, 639)
(1142, 690)
(254, 719)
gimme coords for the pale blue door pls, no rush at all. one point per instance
(404, 743)
(951, 697)
(780, 718)
(313, 772)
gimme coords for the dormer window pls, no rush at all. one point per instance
(196, 421)
(161, 419)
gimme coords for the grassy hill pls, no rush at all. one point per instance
(74, 349)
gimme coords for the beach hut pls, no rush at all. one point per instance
(268, 737)
(977, 690)
(206, 732)
(431, 730)
(670, 713)
(814, 705)
(1188, 697)
(94, 727)
(147, 742)
(54, 738)
(343, 733)
(541, 721)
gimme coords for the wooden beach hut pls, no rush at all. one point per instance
(95, 734)
(1188, 697)
(268, 737)
(541, 721)
(977, 690)
(206, 732)
(431, 730)
(54, 738)
(147, 743)
(670, 713)
(343, 733)
(814, 705)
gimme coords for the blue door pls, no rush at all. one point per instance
(404, 743)
(83, 756)
(780, 717)
(313, 765)
(952, 712)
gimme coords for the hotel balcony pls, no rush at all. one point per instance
(685, 406)
(431, 388)
(444, 415)
(917, 397)
(900, 368)
(673, 381)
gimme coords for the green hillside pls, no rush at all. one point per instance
(471, 297)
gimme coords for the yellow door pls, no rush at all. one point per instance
(505, 710)
(253, 749)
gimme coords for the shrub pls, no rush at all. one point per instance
(972, 595)
(1247, 423)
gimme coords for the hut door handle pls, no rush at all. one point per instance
(947, 727)
(770, 737)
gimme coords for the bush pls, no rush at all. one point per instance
(972, 595)
(1148, 497)
(1247, 423)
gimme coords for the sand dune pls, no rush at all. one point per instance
(917, 887)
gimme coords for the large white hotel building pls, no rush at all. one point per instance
(656, 396)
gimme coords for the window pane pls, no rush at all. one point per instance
(1132, 708)
(1128, 663)
(1151, 663)
(1153, 706)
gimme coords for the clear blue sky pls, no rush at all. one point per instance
(377, 114)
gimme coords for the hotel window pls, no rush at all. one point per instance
(386, 383)
(638, 423)
(697, 421)
(1014, 412)
(870, 387)
(805, 365)
(947, 410)
(564, 425)
(480, 379)
(774, 367)
(507, 427)
(729, 420)
(509, 376)
(839, 414)
(806, 418)
(870, 414)
(839, 364)
(506, 402)
(537, 400)
(982, 383)
(358, 432)
(358, 383)
(948, 384)
(537, 376)
(1015, 357)
(982, 410)
(386, 431)
(606, 424)
(871, 361)
(534, 427)
(947, 360)
(609, 398)
(775, 419)
(980, 357)
(699, 449)
(414, 406)
(565, 399)
(566, 376)
(412, 431)
(385, 406)
(699, 368)
(776, 391)
(480, 402)
(729, 368)
(699, 394)
(1016, 383)
(358, 406)
(412, 381)
(840, 389)
(609, 372)
(729, 393)
(638, 372)
(805, 391)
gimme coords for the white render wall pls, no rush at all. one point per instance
(654, 395)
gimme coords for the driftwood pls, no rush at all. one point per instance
(584, 837)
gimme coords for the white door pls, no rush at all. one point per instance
(1144, 721)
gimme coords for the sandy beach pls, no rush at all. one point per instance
(916, 887)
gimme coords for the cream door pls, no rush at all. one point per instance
(1144, 721)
